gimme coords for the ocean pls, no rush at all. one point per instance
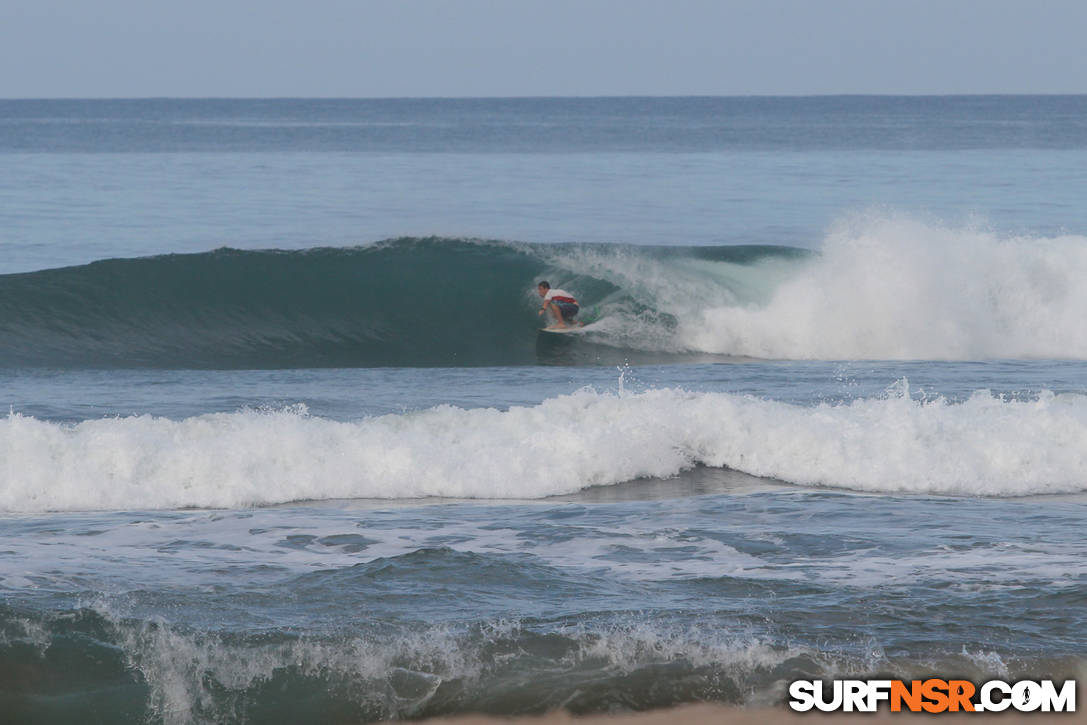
(285, 443)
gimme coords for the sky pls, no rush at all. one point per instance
(447, 48)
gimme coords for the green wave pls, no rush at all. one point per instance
(403, 302)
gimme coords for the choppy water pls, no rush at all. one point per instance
(349, 481)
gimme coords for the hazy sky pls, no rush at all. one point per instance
(376, 48)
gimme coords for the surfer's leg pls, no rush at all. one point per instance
(557, 312)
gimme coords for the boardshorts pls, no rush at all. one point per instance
(567, 310)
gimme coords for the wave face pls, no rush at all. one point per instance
(402, 302)
(882, 287)
(985, 446)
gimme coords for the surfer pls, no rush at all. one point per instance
(561, 304)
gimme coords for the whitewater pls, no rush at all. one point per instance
(887, 287)
(984, 446)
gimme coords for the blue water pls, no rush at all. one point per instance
(86, 180)
(350, 480)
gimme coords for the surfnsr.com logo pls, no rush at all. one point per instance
(932, 696)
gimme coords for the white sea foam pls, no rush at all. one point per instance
(983, 446)
(882, 287)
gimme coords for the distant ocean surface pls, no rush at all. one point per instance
(285, 443)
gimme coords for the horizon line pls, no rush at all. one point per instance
(538, 97)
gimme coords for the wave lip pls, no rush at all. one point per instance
(985, 446)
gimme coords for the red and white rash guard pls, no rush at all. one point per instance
(558, 295)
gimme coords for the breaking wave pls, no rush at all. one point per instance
(985, 446)
(148, 670)
(881, 287)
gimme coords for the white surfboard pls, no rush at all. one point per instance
(567, 330)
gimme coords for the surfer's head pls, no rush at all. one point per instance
(542, 288)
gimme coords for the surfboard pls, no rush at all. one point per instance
(566, 330)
